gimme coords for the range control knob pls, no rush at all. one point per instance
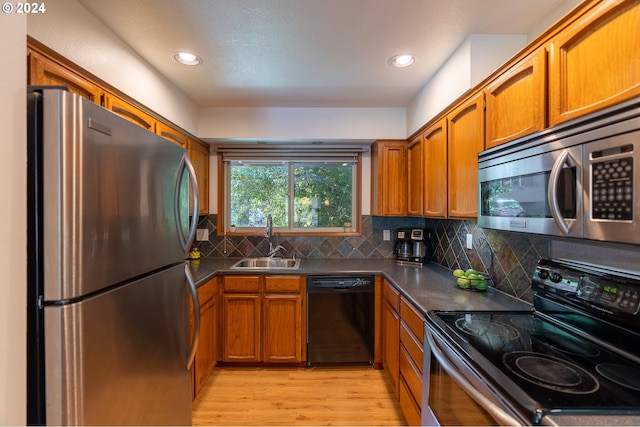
(555, 277)
(543, 274)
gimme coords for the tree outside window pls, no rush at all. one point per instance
(301, 195)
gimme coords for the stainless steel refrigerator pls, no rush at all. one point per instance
(109, 339)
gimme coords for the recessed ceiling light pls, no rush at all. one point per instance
(187, 58)
(400, 61)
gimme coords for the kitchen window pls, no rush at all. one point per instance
(306, 192)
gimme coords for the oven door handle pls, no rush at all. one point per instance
(565, 158)
(499, 414)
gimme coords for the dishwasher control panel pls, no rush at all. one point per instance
(339, 282)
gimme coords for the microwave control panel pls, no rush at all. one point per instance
(612, 180)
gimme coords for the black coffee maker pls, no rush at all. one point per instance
(412, 246)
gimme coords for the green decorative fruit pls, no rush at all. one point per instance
(463, 282)
(473, 276)
(470, 271)
(458, 273)
(480, 284)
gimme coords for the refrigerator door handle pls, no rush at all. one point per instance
(196, 316)
(186, 165)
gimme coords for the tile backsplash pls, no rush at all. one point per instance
(509, 257)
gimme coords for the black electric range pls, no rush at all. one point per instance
(575, 353)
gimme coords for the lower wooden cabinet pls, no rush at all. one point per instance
(403, 336)
(207, 352)
(283, 320)
(263, 319)
(391, 333)
(241, 324)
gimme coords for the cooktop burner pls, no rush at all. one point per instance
(624, 375)
(550, 372)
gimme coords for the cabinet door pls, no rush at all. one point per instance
(46, 72)
(466, 140)
(435, 170)
(282, 323)
(241, 330)
(410, 408)
(130, 112)
(391, 340)
(594, 62)
(517, 100)
(415, 177)
(389, 175)
(199, 156)
(206, 355)
(207, 352)
(171, 134)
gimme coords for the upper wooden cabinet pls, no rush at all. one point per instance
(389, 178)
(415, 177)
(435, 170)
(199, 156)
(594, 63)
(43, 71)
(516, 102)
(129, 111)
(465, 141)
(171, 134)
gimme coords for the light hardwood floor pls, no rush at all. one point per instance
(296, 397)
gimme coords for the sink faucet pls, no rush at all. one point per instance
(273, 251)
(269, 231)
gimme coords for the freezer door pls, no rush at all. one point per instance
(121, 358)
(115, 198)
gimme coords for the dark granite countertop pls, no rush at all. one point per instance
(430, 287)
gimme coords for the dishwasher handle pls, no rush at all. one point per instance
(496, 412)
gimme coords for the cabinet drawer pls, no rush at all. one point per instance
(282, 283)
(207, 291)
(411, 375)
(413, 319)
(412, 346)
(410, 409)
(241, 283)
(392, 295)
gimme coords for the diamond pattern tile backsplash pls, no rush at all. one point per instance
(509, 257)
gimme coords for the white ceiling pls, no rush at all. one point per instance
(308, 53)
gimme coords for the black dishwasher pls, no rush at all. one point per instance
(340, 319)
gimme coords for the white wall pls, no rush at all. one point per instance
(71, 30)
(302, 123)
(477, 57)
(13, 227)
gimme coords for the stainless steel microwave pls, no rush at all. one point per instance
(579, 179)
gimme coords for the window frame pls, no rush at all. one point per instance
(224, 200)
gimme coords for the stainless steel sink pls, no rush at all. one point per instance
(266, 263)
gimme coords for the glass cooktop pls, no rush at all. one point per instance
(556, 368)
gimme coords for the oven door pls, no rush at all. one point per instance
(457, 393)
(533, 192)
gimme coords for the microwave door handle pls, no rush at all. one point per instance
(565, 158)
(494, 410)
